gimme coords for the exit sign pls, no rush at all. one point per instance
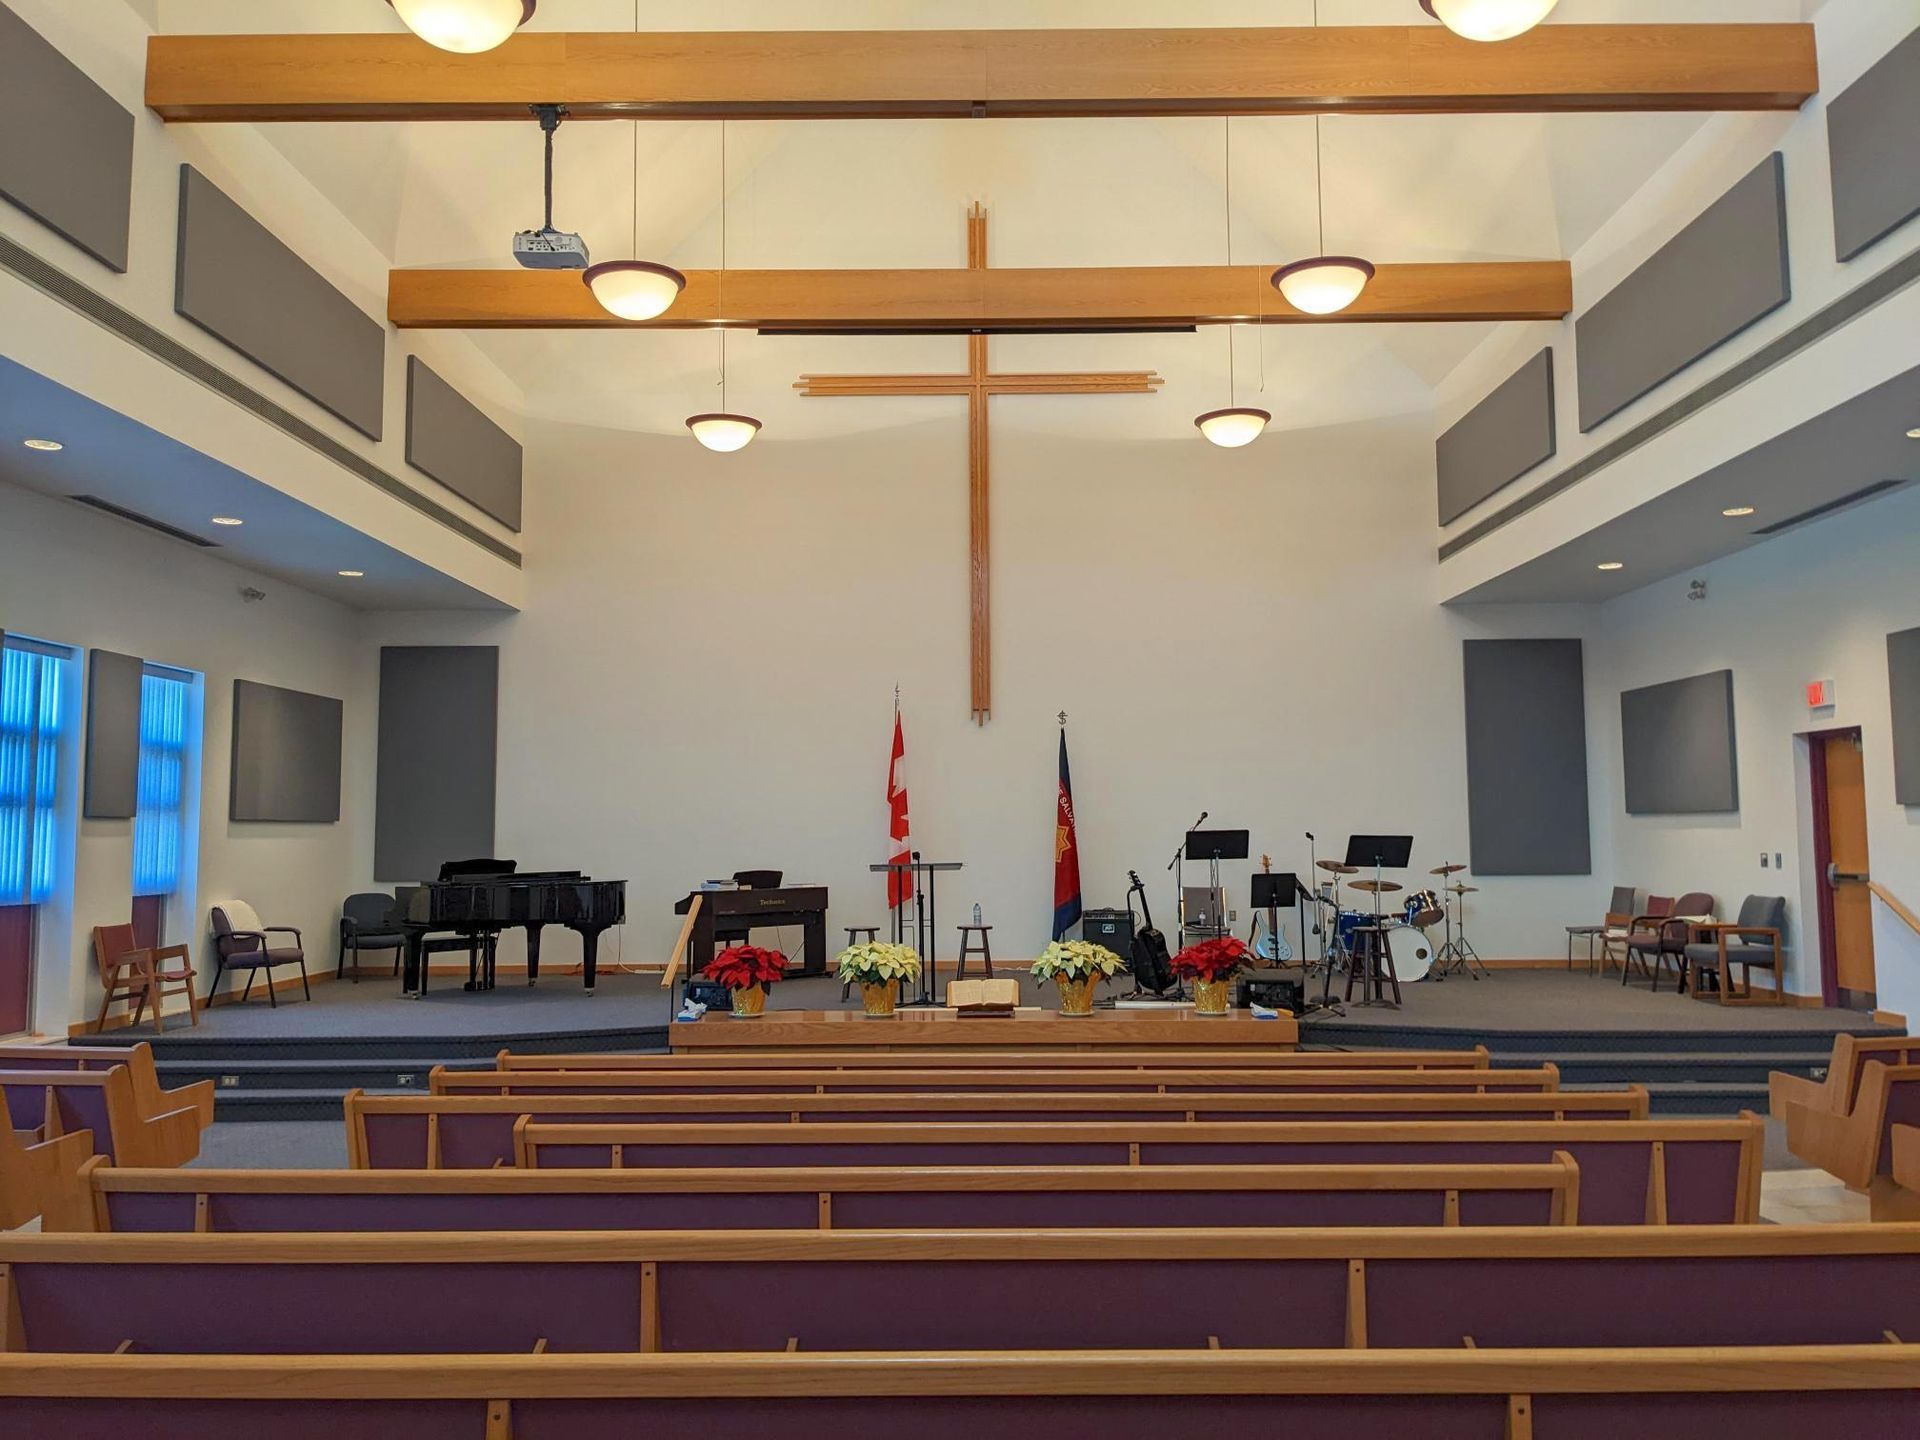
(1819, 694)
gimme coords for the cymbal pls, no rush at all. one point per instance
(1375, 887)
(1334, 867)
(1464, 889)
(1447, 870)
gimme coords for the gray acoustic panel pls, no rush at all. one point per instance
(439, 742)
(1527, 757)
(1679, 750)
(66, 145)
(1499, 440)
(1903, 679)
(1711, 281)
(237, 281)
(111, 788)
(286, 755)
(451, 439)
(1871, 142)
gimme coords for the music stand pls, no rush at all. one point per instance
(1212, 846)
(1378, 852)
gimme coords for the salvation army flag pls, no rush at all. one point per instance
(899, 849)
(1066, 853)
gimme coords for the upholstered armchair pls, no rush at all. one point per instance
(241, 942)
(1662, 940)
(1753, 939)
(1643, 936)
(367, 923)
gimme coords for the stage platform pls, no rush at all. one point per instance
(295, 1061)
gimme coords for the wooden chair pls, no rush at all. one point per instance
(1643, 927)
(1662, 940)
(1758, 932)
(144, 976)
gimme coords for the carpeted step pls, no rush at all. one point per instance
(339, 1075)
(204, 1049)
(1504, 1043)
(248, 1105)
(1706, 1099)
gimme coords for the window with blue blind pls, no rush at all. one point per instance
(33, 681)
(159, 823)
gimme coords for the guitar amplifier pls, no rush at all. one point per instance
(1273, 989)
(1111, 928)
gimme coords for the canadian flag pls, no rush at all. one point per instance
(899, 849)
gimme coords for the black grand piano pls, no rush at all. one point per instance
(475, 900)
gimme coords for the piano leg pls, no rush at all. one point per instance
(533, 952)
(813, 941)
(413, 978)
(589, 954)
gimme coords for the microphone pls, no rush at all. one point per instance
(1309, 834)
(1201, 821)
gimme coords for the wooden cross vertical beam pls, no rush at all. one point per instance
(979, 385)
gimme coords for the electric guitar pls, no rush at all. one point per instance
(1273, 946)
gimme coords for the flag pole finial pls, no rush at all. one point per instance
(896, 699)
(1063, 719)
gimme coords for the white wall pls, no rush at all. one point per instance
(1817, 604)
(88, 581)
(702, 679)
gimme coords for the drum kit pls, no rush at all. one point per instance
(1402, 925)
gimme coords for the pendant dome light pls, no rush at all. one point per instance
(1236, 425)
(1325, 284)
(1489, 19)
(721, 429)
(634, 289)
(465, 27)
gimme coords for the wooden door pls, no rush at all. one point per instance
(16, 968)
(1848, 873)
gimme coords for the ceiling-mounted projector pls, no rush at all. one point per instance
(548, 248)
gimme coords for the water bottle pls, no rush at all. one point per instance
(976, 912)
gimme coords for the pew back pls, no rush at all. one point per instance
(1857, 1145)
(52, 1103)
(31, 1170)
(1690, 1172)
(1118, 1059)
(804, 1080)
(741, 1198)
(1176, 1289)
(1840, 1090)
(1767, 1393)
(431, 1131)
(148, 1095)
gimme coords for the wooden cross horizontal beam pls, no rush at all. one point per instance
(956, 301)
(748, 74)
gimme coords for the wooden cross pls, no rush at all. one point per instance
(978, 385)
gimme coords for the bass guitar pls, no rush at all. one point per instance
(1272, 947)
(1152, 965)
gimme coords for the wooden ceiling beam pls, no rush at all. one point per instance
(941, 301)
(747, 74)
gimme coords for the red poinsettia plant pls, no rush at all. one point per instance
(742, 967)
(1213, 959)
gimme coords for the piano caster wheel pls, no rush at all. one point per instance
(589, 992)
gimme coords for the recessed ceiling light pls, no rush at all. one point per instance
(1914, 434)
(47, 445)
(1737, 512)
(228, 520)
(351, 574)
(1613, 565)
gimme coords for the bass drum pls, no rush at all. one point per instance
(1412, 953)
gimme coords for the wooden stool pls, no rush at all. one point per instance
(872, 932)
(1371, 966)
(985, 950)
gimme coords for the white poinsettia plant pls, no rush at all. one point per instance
(879, 964)
(1077, 960)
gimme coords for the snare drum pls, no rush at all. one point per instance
(1422, 909)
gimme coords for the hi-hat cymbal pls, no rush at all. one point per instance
(1334, 867)
(1375, 887)
(1464, 889)
(1447, 870)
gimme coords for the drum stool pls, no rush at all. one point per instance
(1372, 966)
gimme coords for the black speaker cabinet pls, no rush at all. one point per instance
(1111, 928)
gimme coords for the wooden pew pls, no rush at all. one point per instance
(106, 1198)
(1856, 1146)
(1474, 1059)
(32, 1169)
(1903, 1203)
(52, 1103)
(1689, 1172)
(928, 1081)
(1179, 1289)
(1764, 1393)
(152, 1099)
(427, 1132)
(1838, 1091)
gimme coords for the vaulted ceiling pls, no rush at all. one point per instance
(1060, 192)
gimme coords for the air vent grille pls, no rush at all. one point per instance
(1879, 487)
(134, 517)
